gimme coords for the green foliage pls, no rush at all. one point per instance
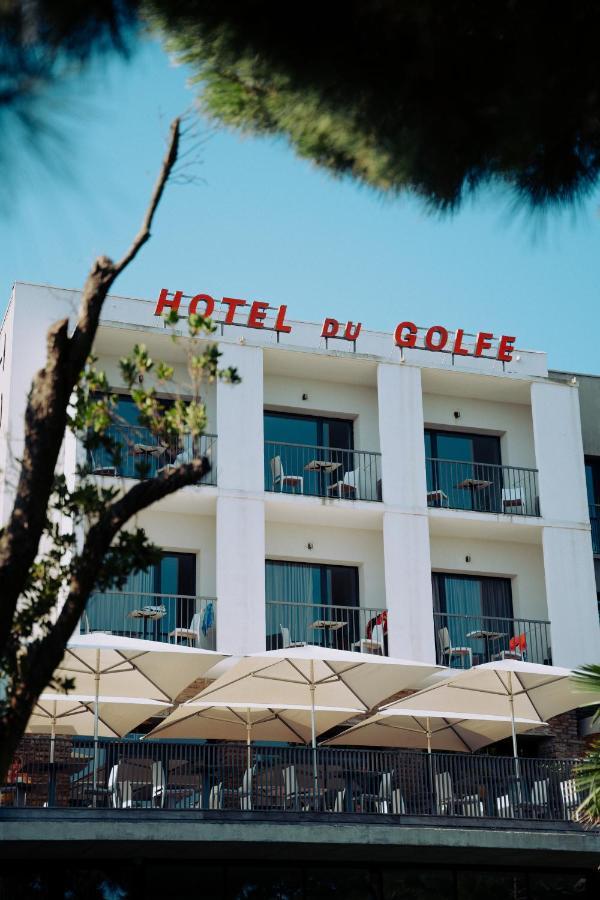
(588, 772)
(77, 504)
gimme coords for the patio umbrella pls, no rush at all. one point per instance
(75, 714)
(508, 688)
(317, 677)
(107, 664)
(394, 726)
(239, 721)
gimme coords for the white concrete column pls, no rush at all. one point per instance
(400, 401)
(571, 596)
(240, 563)
(559, 452)
(408, 591)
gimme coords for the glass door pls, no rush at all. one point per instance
(464, 469)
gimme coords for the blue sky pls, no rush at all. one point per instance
(264, 225)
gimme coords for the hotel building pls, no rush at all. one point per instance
(423, 504)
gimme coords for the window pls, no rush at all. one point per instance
(592, 480)
(463, 468)
(466, 604)
(299, 594)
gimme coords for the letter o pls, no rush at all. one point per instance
(442, 337)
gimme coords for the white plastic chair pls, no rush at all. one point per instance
(215, 797)
(280, 479)
(450, 651)
(504, 808)
(374, 644)
(570, 800)
(444, 793)
(299, 790)
(390, 799)
(348, 486)
(245, 791)
(99, 469)
(539, 795)
(285, 639)
(512, 499)
(191, 634)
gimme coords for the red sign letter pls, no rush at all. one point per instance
(330, 328)
(442, 337)
(410, 339)
(257, 314)
(483, 342)
(233, 305)
(506, 347)
(349, 334)
(206, 298)
(163, 302)
(458, 348)
(280, 321)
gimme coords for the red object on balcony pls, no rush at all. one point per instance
(518, 644)
(381, 619)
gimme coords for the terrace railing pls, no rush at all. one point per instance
(170, 618)
(483, 487)
(358, 628)
(595, 523)
(463, 641)
(322, 471)
(142, 454)
(165, 775)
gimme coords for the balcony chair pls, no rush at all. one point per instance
(517, 648)
(374, 644)
(390, 799)
(570, 800)
(285, 639)
(438, 499)
(298, 788)
(447, 650)
(512, 500)
(245, 790)
(504, 808)
(347, 488)
(539, 797)
(215, 797)
(99, 469)
(137, 785)
(191, 634)
(280, 479)
(449, 804)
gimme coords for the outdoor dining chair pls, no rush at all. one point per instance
(570, 800)
(280, 479)
(137, 785)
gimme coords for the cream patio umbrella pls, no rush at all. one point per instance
(508, 688)
(394, 726)
(316, 677)
(110, 665)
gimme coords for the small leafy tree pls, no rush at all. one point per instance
(588, 772)
(67, 537)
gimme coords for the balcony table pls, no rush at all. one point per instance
(487, 636)
(321, 465)
(473, 485)
(148, 613)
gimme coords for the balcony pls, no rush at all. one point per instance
(279, 781)
(143, 455)
(463, 641)
(359, 628)
(169, 618)
(329, 472)
(595, 523)
(482, 487)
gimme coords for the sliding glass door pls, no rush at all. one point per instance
(302, 601)
(463, 470)
(476, 611)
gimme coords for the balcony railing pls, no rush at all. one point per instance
(463, 641)
(483, 487)
(143, 455)
(359, 628)
(595, 523)
(170, 618)
(322, 471)
(277, 780)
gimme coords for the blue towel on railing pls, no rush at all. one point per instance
(208, 619)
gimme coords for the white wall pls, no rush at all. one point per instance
(347, 546)
(355, 402)
(401, 436)
(186, 534)
(522, 563)
(511, 421)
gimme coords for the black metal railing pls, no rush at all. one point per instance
(595, 523)
(463, 641)
(150, 774)
(322, 471)
(141, 454)
(359, 628)
(483, 487)
(170, 618)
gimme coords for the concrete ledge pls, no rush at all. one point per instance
(26, 833)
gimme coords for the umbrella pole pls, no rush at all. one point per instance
(248, 741)
(97, 680)
(429, 759)
(313, 730)
(511, 700)
(52, 738)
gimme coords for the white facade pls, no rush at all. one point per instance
(400, 530)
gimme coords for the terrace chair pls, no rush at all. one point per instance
(449, 804)
(279, 479)
(504, 808)
(447, 650)
(215, 797)
(390, 799)
(298, 788)
(99, 469)
(539, 796)
(191, 634)
(134, 785)
(285, 639)
(570, 800)
(374, 644)
(245, 790)
(512, 500)
(347, 488)
(438, 498)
